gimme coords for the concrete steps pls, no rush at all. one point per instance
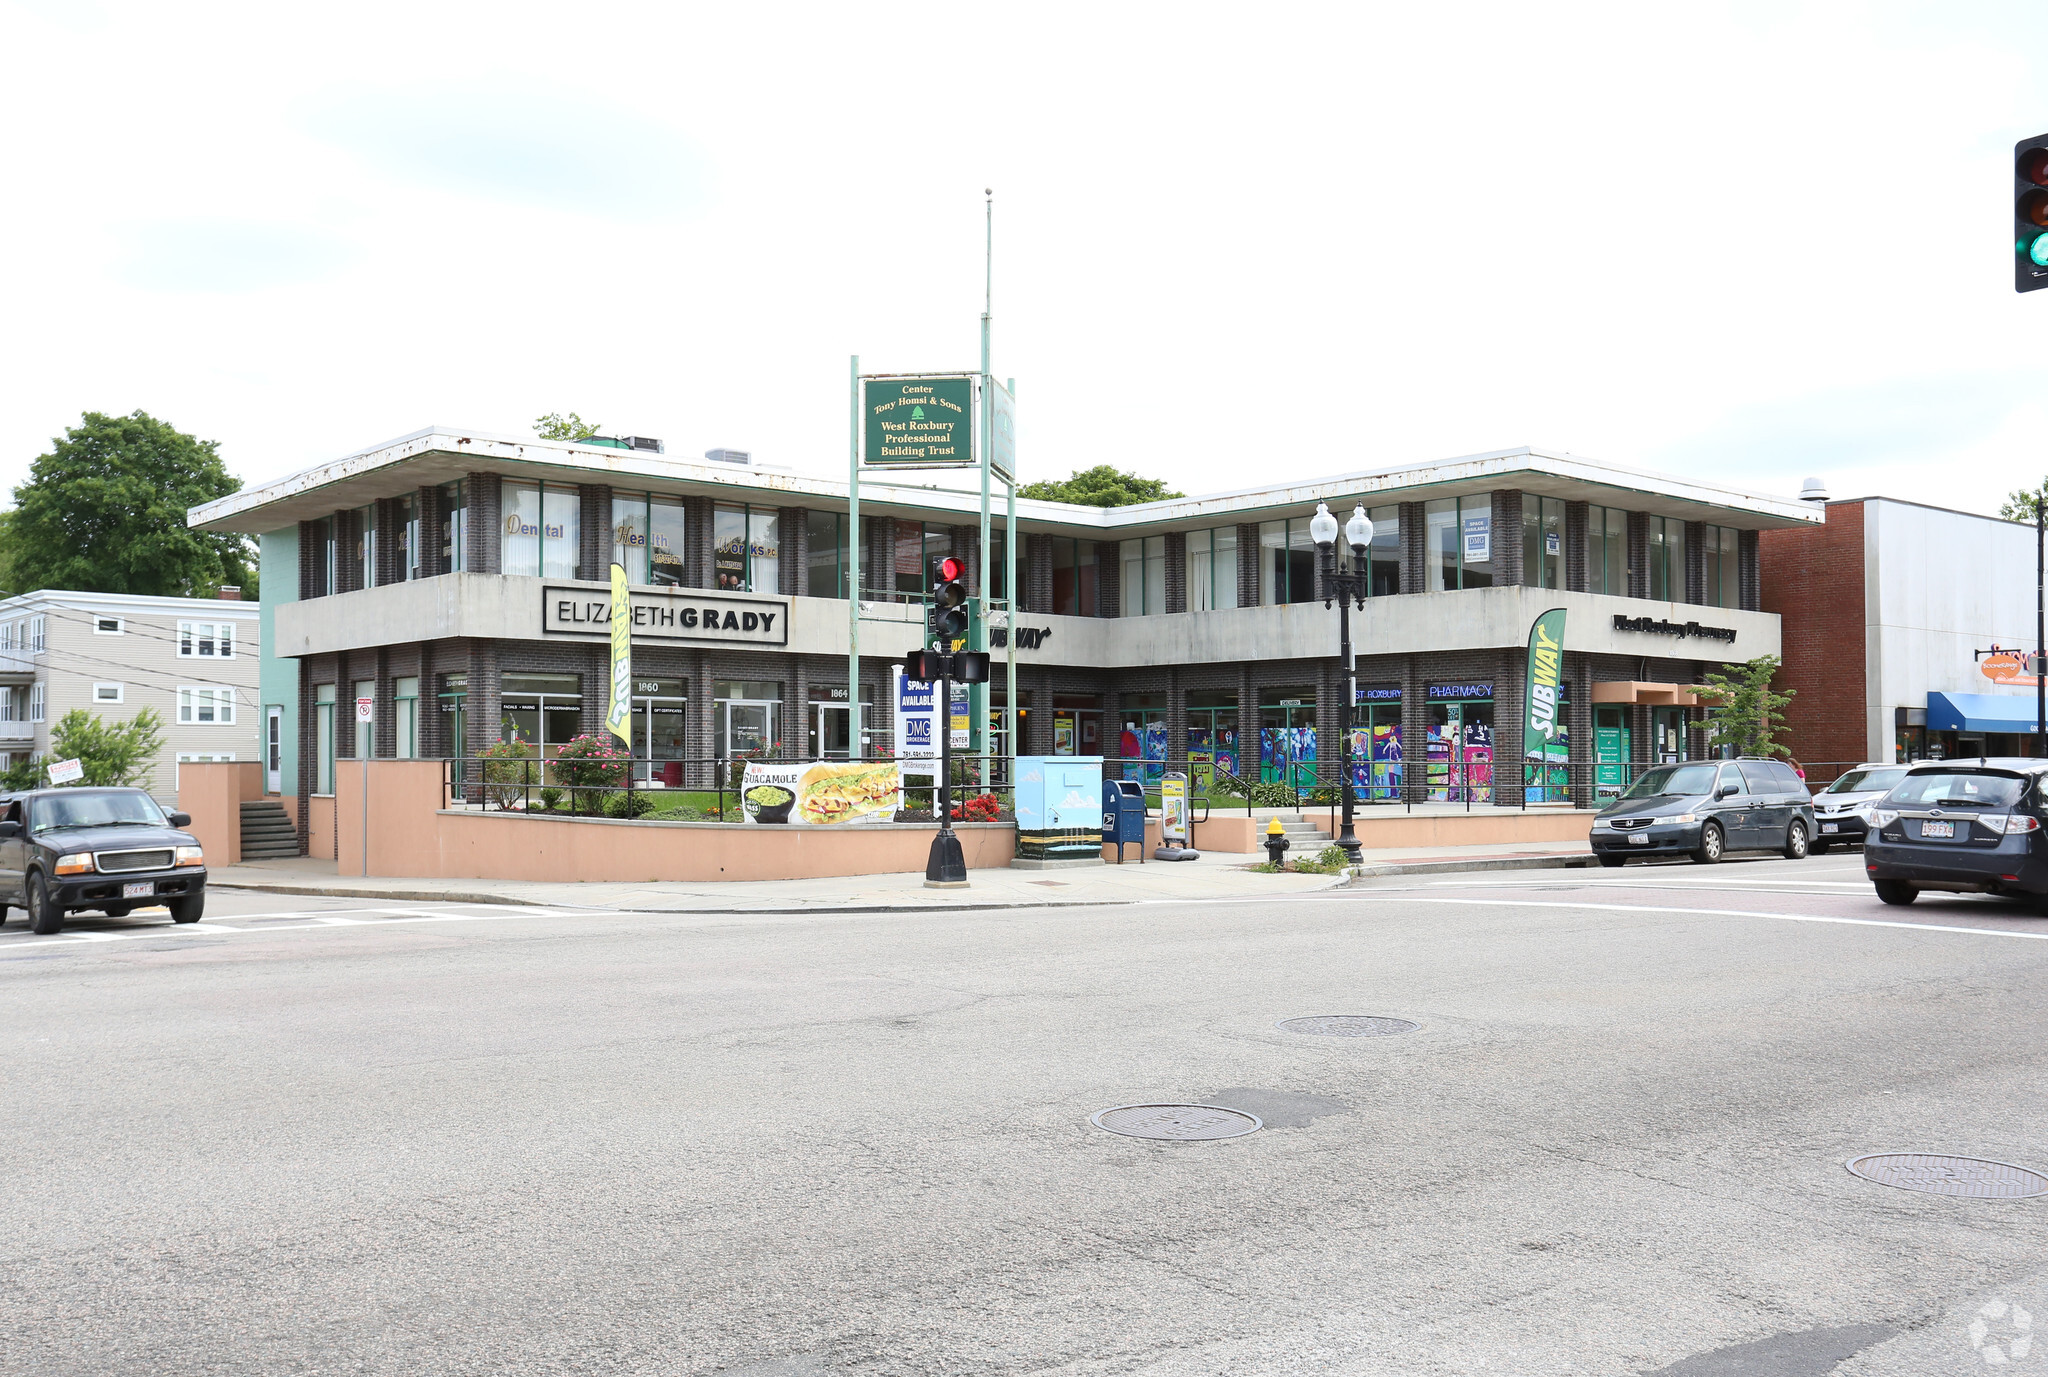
(268, 832)
(1298, 829)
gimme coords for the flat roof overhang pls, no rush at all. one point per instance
(440, 455)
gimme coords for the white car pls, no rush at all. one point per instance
(1841, 812)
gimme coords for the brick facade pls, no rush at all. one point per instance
(1813, 577)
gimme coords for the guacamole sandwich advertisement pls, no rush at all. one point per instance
(822, 793)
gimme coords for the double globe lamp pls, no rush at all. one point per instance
(1344, 588)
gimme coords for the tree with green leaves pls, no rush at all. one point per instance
(2023, 503)
(104, 512)
(556, 426)
(1743, 710)
(1101, 486)
(111, 753)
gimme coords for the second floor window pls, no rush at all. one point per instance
(1212, 569)
(1142, 589)
(825, 534)
(541, 535)
(455, 526)
(1667, 559)
(206, 640)
(1542, 541)
(1073, 577)
(746, 547)
(647, 538)
(366, 547)
(202, 705)
(35, 636)
(1607, 551)
(1458, 544)
(1723, 550)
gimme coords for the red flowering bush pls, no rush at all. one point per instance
(590, 763)
(980, 808)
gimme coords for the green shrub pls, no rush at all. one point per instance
(624, 805)
(1272, 794)
(1323, 794)
(1331, 860)
(551, 799)
(505, 771)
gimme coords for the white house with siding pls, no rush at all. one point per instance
(195, 660)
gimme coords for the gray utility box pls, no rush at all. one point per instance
(1123, 816)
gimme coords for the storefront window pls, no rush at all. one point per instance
(1542, 541)
(1077, 724)
(409, 537)
(747, 718)
(1287, 736)
(454, 703)
(323, 738)
(660, 714)
(1143, 587)
(1376, 742)
(541, 710)
(405, 718)
(1143, 736)
(1073, 579)
(1458, 764)
(1212, 739)
(455, 526)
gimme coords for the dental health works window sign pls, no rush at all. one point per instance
(681, 616)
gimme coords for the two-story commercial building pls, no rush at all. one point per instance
(458, 580)
(194, 660)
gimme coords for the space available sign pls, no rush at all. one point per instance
(1658, 627)
(679, 616)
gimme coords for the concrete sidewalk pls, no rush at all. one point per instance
(1213, 876)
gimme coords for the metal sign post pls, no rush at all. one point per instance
(366, 713)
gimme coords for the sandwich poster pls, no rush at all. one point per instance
(823, 794)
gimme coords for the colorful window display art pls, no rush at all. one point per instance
(1376, 743)
(1212, 751)
(1458, 759)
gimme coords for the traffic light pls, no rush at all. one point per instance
(949, 600)
(922, 666)
(2030, 214)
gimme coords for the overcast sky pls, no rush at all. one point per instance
(1232, 244)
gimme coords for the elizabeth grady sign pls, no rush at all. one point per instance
(688, 616)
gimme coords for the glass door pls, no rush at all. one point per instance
(658, 741)
(1667, 730)
(1376, 750)
(831, 731)
(746, 729)
(1287, 737)
(1610, 752)
(273, 750)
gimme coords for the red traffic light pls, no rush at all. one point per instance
(950, 567)
(2032, 166)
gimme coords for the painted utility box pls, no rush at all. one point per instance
(1059, 808)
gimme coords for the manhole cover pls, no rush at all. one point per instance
(1347, 1025)
(1177, 1123)
(1972, 1178)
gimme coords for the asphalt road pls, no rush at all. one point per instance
(335, 1137)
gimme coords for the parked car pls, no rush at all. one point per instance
(1841, 812)
(1971, 827)
(110, 849)
(1705, 809)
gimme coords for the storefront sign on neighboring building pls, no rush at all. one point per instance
(1657, 627)
(917, 422)
(678, 616)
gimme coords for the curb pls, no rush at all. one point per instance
(459, 897)
(1577, 861)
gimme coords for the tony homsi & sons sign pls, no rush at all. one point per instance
(684, 615)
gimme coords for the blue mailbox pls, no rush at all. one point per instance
(1123, 816)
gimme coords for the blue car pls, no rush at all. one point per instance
(1966, 827)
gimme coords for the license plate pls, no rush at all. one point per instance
(1639, 840)
(1937, 829)
(145, 890)
(1831, 827)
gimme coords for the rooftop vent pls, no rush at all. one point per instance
(1814, 491)
(634, 442)
(729, 456)
(642, 442)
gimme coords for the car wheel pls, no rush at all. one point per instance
(44, 917)
(1795, 841)
(1611, 862)
(1896, 891)
(1711, 844)
(189, 908)
(1820, 848)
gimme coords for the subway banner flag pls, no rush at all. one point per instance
(618, 718)
(1545, 740)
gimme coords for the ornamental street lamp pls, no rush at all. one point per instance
(1344, 587)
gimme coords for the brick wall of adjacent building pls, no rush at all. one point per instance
(1812, 577)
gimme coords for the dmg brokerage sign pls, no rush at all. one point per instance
(680, 616)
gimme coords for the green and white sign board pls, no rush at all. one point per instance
(917, 423)
(1545, 734)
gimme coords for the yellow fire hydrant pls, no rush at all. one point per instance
(1276, 842)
